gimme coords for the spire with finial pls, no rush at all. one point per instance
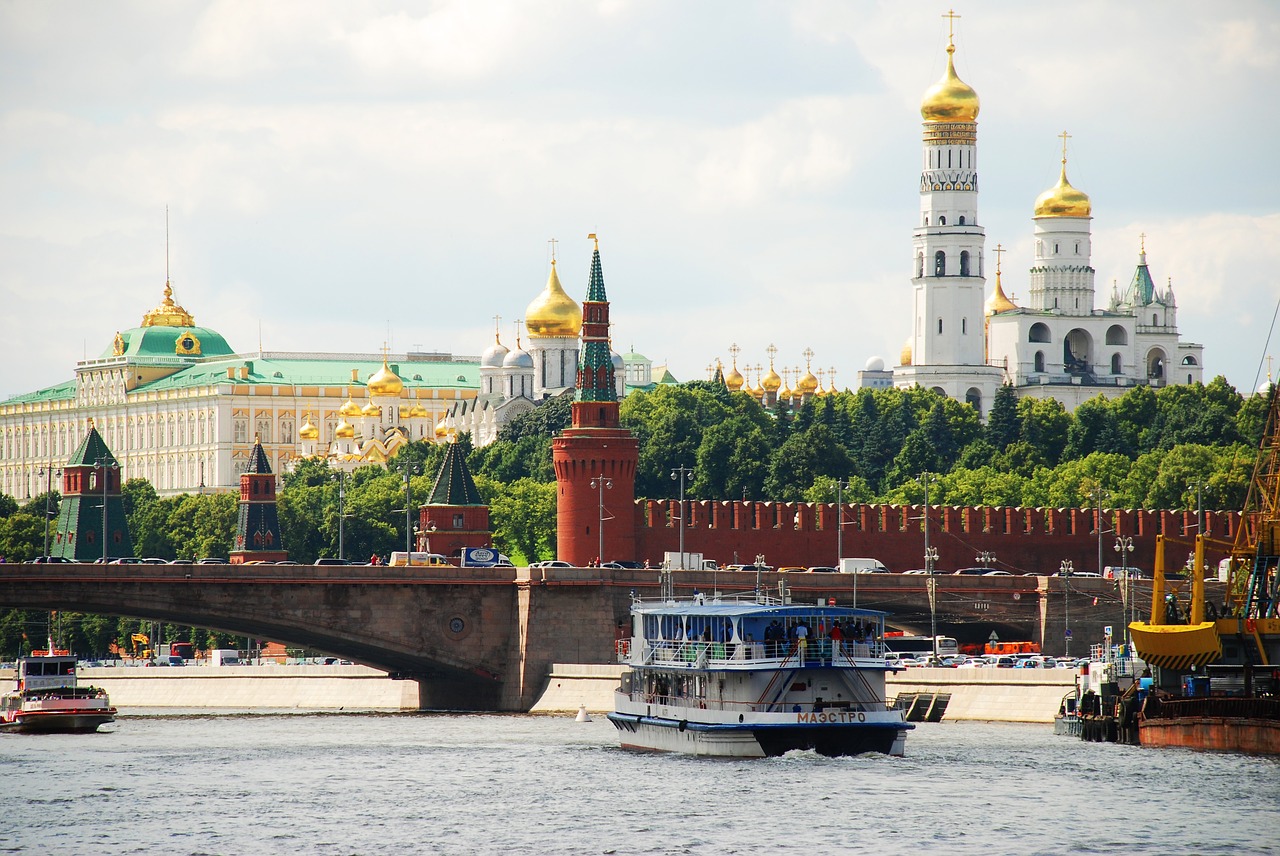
(595, 363)
(998, 302)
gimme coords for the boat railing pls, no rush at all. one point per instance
(695, 703)
(698, 654)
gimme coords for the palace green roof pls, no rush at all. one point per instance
(163, 342)
(272, 371)
(454, 485)
(58, 392)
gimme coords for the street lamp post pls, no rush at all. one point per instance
(1124, 546)
(342, 515)
(601, 484)
(680, 473)
(986, 559)
(103, 465)
(841, 484)
(1065, 570)
(930, 558)
(48, 472)
(410, 468)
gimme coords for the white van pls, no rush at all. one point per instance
(862, 566)
(400, 559)
(224, 657)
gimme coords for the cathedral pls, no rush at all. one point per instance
(1060, 344)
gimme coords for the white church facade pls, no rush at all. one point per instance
(1059, 345)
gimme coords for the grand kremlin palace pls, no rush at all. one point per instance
(178, 406)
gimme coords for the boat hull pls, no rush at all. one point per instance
(58, 722)
(759, 740)
(1213, 733)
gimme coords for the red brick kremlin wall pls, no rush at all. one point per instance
(1022, 539)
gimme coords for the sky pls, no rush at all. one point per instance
(340, 174)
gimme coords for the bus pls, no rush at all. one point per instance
(919, 646)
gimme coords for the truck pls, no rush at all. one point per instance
(862, 566)
(174, 653)
(483, 557)
(402, 559)
(224, 657)
(690, 561)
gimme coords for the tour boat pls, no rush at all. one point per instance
(754, 676)
(48, 698)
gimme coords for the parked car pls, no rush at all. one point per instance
(793, 569)
(127, 560)
(550, 563)
(49, 560)
(917, 572)
(334, 562)
(622, 564)
(997, 574)
(748, 568)
(972, 572)
(822, 569)
(212, 560)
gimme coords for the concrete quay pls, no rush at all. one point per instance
(987, 695)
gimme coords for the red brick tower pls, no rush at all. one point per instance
(258, 526)
(595, 458)
(454, 518)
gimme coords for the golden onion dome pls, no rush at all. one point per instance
(950, 99)
(734, 379)
(418, 411)
(1063, 200)
(998, 302)
(808, 384)
(308, 431)
(553, 313)
(785, 391)
(371, 410)
(168, 313)
(349, 408)
(344, 431)
(757, 392)
(442, 430)
(385, 382)
(405, 410)
(904, 359)
(771, 382)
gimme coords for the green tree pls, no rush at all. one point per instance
(1045, 425)
(732, 461)
(21, 536)
(1095, 428)
(523, 517)
(1003, 424)
(1252, 417)
(801, 459)
(8, 505)
(1135, 417)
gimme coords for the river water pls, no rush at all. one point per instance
(405, 783)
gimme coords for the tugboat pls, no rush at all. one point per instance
(49, 699)
(1217, 679)
(752, 676)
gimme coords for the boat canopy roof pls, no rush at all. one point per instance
(735, 609)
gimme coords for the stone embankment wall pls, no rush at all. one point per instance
(254, 687)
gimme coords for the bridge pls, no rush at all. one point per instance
(485, 638)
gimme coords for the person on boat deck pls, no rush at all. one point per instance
(837, 635)
(706, 634)
(802, 637)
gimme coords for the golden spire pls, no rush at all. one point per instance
(998, 302)
(734, 379)
(385, 382)
(832, 375)
(771, 382)
(950, 99)
(1063, 200)
(553, 313)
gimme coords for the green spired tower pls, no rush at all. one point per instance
(90, 484)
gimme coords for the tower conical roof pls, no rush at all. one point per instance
(454, 485)
(258, 463)
(595, 361)
(91, 451)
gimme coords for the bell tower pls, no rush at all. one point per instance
(595, 458)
